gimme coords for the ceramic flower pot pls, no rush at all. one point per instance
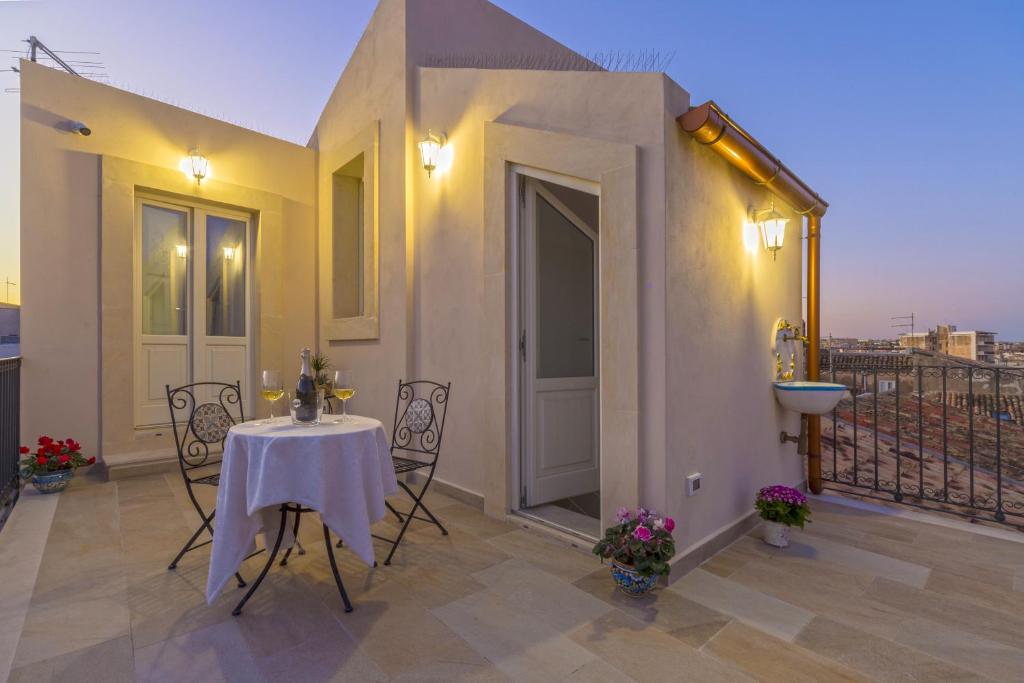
(776, 534)
(629, 580)
(52, 482)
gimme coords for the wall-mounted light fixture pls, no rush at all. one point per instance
(181, 250)
(229, 253)
(196, 166)
(772, 226)
(431, 148)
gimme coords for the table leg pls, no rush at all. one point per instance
(270, 561)
(295, 535)
(334, 568)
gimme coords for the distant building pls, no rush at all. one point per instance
(10, 323)
(967, 344)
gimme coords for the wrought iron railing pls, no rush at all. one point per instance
(10, 417)
(947, 437)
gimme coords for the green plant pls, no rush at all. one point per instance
(643, 540)
(320, 364)
(784, 505)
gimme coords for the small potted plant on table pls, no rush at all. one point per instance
(781, 507)
(53, 464)
(639, 547)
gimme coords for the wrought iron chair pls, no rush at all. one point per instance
(207, 425)
(420, 411)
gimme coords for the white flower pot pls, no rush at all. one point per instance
(776, 534)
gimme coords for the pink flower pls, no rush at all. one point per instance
(642, 533)
(670, 524)
(622, 515)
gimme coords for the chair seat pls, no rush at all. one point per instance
(407, 465)
(209, 480)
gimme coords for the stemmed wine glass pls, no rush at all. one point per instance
(343, 391)
(272, 390)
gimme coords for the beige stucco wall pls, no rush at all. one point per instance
(722, 304)
(76, 289)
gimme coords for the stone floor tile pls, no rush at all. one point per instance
(213, 654)
(549, 554)
(453, 672)
(955, 612)
(978, 592)
(764, 612)
(649, 655)
(81, 623)
(767, 658)
(598, 670)
(110, 662)
(472, 520)
(327, 655)
(545, 596)
(521, 646)
(662, 609)
(877, 657)
(400, 635)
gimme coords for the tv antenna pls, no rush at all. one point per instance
(903, 322)
(8, 284)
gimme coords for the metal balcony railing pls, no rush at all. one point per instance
(946, 436)
(10, 417)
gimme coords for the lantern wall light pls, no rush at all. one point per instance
(181, 250)
(772, 226)
(229, 253)
(435, 153)
(196, 166)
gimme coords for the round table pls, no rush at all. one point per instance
(340, 468)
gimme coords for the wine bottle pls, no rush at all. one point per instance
(305, 392)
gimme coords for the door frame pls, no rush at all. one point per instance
(194, 209)
(518, 173)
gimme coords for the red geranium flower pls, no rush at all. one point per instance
(24, 449)
(64, 459)
(45, 441)
(73, 445)
(41, 460)
(41, 451)
(54, 448)
(91, 460)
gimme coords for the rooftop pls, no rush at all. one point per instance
(858, 596)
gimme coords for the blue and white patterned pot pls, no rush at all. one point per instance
(630, 582)
(52, 482)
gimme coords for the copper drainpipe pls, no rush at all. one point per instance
(711, 126)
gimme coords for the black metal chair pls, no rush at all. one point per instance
(207, 425)
(420, 411)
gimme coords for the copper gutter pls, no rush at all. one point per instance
(711, 126)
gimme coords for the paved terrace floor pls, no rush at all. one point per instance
(858, 596)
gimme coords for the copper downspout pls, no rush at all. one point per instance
(813, 347)
(711, 126)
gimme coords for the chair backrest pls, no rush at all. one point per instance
(420, 411)
(199, 425)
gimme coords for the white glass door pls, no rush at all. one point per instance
(192, 293)
(561, 446)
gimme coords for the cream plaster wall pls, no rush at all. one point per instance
(76, 243)
(722, 305)
(608, 131)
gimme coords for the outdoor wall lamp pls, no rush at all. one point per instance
(181, 250)
(430, 150)
(196, 166)
(229, 253)
(772, 226)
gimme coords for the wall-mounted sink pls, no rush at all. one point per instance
(812, 398)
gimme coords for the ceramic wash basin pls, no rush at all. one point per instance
(811, 398)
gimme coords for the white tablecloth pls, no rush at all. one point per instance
(343, 470)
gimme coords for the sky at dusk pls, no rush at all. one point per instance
(908, 117)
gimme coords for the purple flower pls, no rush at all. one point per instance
(622, 515)
(642, 533)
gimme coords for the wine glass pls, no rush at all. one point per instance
(343, 391)
(272, 390)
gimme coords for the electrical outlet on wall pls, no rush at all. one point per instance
(693, 483)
